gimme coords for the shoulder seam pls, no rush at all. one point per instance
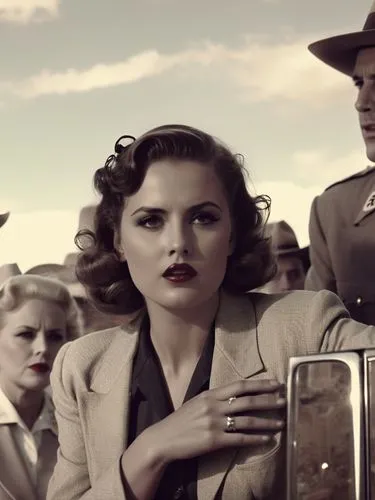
(362, 173)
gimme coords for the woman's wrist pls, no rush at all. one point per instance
(156, 455)
(147, 452)
(143, 465)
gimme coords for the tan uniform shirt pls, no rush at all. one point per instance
(342, 243)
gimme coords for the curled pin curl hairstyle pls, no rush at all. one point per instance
(99, 268)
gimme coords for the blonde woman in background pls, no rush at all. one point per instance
(37, 316)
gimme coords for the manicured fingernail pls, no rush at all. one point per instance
(281, 401)
(280, 423)
(266, 438)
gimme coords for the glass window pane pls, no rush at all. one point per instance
(323, 443)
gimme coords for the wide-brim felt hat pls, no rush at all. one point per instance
(86, 222)
(283, 239)
(4, 218)
(63, 273)
(8, 271)
(340, 51)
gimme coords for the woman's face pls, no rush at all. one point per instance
(29, 341)
(179, 215)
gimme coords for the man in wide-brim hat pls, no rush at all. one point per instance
(292, 260)
(342, 219)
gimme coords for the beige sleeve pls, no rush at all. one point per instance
(71, 479)
(330, 327)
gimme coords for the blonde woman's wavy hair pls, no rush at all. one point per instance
(18, 289)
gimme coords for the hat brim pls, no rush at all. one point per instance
(300, 253)
(340, 52)
(289, 251)
(4, 218)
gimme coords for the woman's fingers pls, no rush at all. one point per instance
(248, 424)
(242, 439)
(268, 401)
(242, 387)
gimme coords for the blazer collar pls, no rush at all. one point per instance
(236, 356)
(236, 339)
(236, 346)
(116, 358)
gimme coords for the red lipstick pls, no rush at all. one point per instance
(179, 273)
(40, 367)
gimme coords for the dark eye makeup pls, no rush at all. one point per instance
(154, 221)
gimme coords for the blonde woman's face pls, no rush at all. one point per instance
(29, 341)
(180, 215)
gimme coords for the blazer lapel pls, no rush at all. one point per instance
(106, 405)
(14, 475)
(236, 356)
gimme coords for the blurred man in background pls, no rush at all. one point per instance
(292, 261)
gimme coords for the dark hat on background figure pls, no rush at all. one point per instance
(284, 242)
(4, 218)
(340, 52)
(86, 221)
(63, 273)
(7, 271)
(87, 218)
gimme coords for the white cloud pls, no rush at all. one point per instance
(24, 11)
(263, 70)
(99, 76)
(324, 167)
(287, 71)
(40, 237)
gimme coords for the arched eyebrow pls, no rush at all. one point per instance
(194, 208)
(26, 327)
(33, 329)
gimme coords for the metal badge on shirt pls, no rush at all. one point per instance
(368, 207)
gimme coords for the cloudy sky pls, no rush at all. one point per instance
(77, 74)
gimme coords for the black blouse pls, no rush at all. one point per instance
(151, 402)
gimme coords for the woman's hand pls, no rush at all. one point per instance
(200, 425)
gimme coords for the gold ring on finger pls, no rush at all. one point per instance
(231, 400)
(231, 425)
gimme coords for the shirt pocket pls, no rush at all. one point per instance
(248, 457)
(261, 476)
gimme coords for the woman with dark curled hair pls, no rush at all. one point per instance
(107, 276)
(186, 401)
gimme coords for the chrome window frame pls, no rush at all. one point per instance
(354, 361)
(368, 356)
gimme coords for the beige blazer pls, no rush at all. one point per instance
(15, 480)
(255, 335)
